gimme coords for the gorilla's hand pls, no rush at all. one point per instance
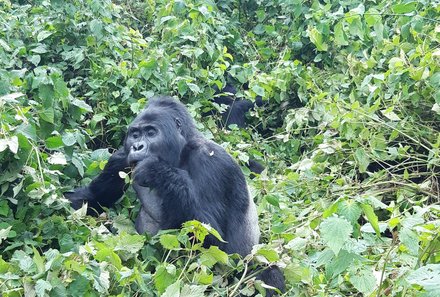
(146, 171)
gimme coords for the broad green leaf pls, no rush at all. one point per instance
(169, 241)
(212, 256)
(404, 7)
(43, 35)
(79, 286)
(317, 39)
(41, 287)
(194, 88)
(68, 138)
(270, 254)
(339, 263)
(340, 36)
(82, 104)
(25, 262)
(108, 255)
(330, 210)
(38, 260)
(164, 276)
(193, 291)
(4, 208)
(272, 199)
(54, 142)
(258, 90)
(428, 277)
(350, 210)
(362, 159)
(173, 290)
(4, 233)
(47, 114)
(335, 232)
(102, 282)
(130, 243)
(364, 280)
(410, 240)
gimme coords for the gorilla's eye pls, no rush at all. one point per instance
(151, 132)
(134, 133)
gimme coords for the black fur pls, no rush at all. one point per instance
(235, 113)
(178, 176)
(236, 108)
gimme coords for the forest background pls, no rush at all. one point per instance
(349, 135)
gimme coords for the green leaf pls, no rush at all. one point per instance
(57, 158)
(193, 291)
(47, 114)
(410, 240)
(272, 199)
(428, 277)
(270, 254)
(164, 276)
(43, 35)
(364, 281)
(34, 59)
(362, 159)
(169, 241)
(4, 233)
(212, 256)
(130, 243)
(25, 262)
(340, 36)
(340, 263)
(38, 260)
(41, 287)
(4, 208)
(350, 210)
(108, 255)
(193, 87)
(54, 142)
(371, 217)
(172, 290)
(80, 286)
(69, 139)
(258, 90)
(317, 39)
(335, 232)
(82, 104)
(404, 7)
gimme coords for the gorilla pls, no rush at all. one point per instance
(235, 113)
(236, 108)
(179, 176)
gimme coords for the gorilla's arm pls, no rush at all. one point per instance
(106, 188)
(181, 198)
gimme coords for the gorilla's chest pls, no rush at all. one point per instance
(150, 215)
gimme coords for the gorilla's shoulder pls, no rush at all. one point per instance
(199, 148)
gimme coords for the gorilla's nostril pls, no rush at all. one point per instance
(138, 147)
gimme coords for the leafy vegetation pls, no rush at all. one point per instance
(349, 203)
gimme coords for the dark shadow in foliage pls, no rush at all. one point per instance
(179, 176)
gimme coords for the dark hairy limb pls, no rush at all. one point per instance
(106, 188)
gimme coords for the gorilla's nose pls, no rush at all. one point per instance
(138, 147)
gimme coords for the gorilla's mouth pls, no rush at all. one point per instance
(133, 163)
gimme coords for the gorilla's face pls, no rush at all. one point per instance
(154, 135)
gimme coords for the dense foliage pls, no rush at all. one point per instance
(349, 203)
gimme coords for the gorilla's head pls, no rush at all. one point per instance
(161, 130)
